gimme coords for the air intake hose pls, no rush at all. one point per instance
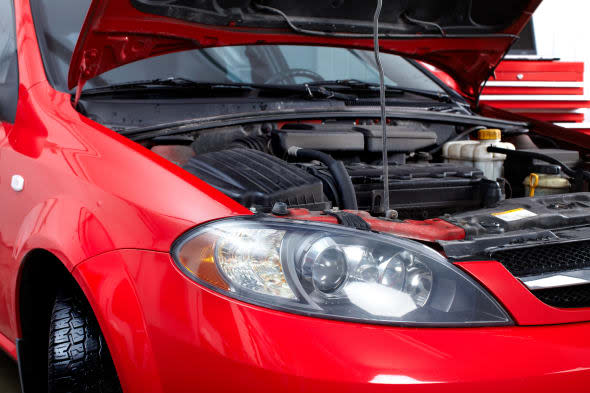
(337, 170)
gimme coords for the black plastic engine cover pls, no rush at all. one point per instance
(348, 138)
(521, 223)
(512, 215)
(257, 179)
(417, 191)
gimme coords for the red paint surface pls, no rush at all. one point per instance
(534, 90)
(525, 308)
(543, 66)
(8, 346)
(556, 117)
(427, 230)
(543, 71)
(540, 76)
(443, 76)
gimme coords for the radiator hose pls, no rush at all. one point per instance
(338, 171)
(541, 157)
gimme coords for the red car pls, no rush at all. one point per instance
(193, 199)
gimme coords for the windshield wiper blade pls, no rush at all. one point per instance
(305, 90)
(354, 84)
(175, 82)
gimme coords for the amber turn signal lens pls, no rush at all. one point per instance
(197, 256)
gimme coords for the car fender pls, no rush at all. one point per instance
(106, 283)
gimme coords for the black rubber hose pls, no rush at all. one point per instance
(538, 156)
(337, 170)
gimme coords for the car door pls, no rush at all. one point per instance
(8, 102)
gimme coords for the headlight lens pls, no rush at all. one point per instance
(333, 272)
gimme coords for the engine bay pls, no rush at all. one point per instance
(441, 176)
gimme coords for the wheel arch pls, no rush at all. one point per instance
(105, 283)
(41, 275)
(109, 287)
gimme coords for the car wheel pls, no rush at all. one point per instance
(79, 359)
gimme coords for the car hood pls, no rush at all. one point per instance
(467, 39)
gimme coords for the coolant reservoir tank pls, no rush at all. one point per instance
(476, 153)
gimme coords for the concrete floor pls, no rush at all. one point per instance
(8, 375)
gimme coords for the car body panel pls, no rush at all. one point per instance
(115, 33)
(101, 209)
(524, 307)
(227, 344)
(8, 346)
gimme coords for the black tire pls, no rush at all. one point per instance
(79, 359)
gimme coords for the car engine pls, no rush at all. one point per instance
(336, 166)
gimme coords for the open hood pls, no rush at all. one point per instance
(465, 38)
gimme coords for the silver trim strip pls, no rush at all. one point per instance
(574, 126)
(557, 280)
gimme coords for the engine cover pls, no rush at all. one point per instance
(417, 191)
(257, 179)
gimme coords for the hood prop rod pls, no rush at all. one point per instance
(386, 204)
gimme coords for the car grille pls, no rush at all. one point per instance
(545, 259)
(551, 259)
(565, 297)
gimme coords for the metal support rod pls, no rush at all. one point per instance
(386, 204)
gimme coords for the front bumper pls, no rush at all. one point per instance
(168, 334)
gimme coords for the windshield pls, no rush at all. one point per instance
(58, 23)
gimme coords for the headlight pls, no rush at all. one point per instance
(333, 272)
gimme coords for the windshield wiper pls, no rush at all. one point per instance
(345, 89)
(177, 83)
(174, 82)
(357, 85)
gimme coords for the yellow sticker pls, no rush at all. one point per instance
(514, 215)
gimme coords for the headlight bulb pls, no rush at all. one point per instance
(326, 265)
(393, 273)
(418, 282)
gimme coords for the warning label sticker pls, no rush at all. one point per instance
(514, 215)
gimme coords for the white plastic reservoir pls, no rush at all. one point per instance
(475, 153)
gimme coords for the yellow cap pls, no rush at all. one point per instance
(489, 134)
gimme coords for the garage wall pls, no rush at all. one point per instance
(562, 29)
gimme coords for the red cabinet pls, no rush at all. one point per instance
(547, 90)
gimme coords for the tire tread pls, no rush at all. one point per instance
(79, 359)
